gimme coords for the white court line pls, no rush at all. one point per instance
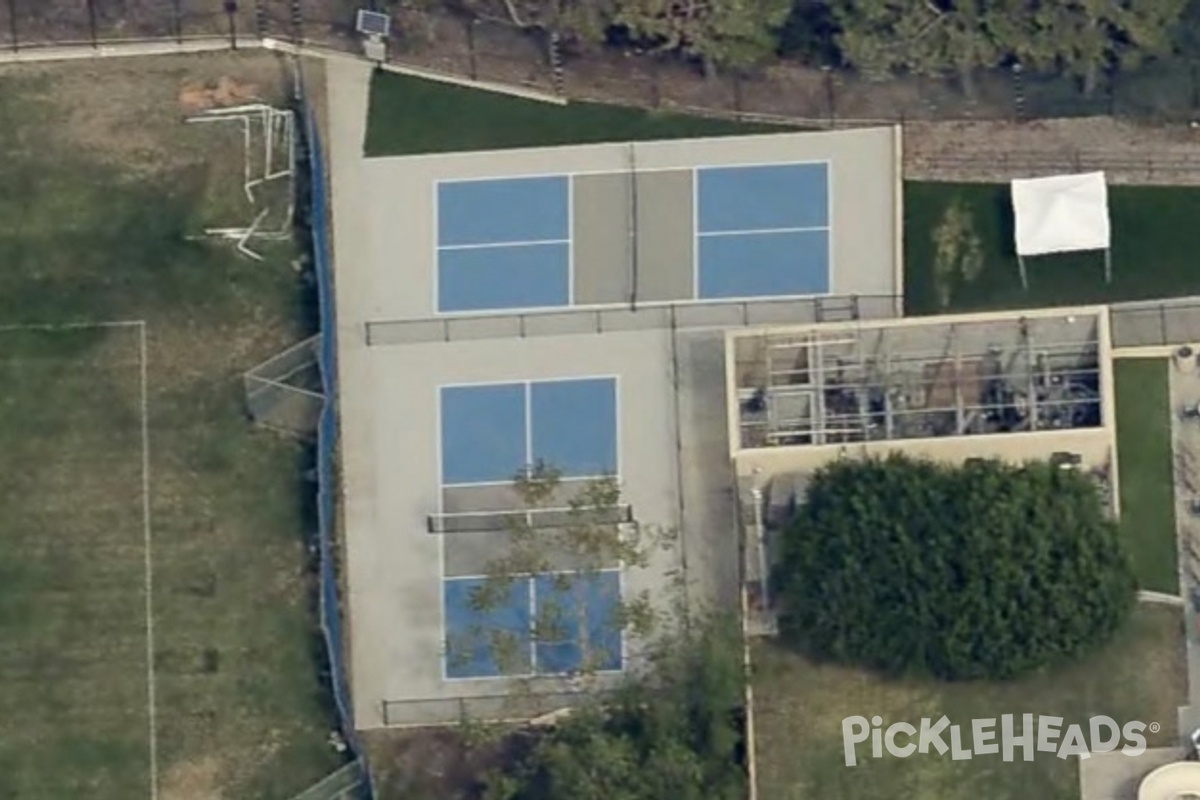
(493, 245)
(757, 231)
(149, 587)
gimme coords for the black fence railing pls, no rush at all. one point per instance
(1163, 89)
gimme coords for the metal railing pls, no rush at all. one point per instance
(522, 706)
(471, 48)
(1152, 323)
(674, 316)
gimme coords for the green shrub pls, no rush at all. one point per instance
(981, 571)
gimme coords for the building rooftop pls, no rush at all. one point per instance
(916, 379)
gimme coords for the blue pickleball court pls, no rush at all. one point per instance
(490, 432)
(544, 624)
(503, 244)
(762, 231)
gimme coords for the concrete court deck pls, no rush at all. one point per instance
(674, 459)
(613, 214)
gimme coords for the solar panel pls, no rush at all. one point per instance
(373, 23)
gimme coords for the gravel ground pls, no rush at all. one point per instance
(992, 151)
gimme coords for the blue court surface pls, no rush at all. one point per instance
(547, 624)
(490, 432)
(503, 244)
(762, 231)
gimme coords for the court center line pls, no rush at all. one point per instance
(151, 690)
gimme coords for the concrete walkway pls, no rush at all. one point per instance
(1185, 445)
(347, 90)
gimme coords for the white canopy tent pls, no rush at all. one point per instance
(1061, 214)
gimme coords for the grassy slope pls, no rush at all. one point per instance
(799, 707)
(409, 115)
(94, 230)
(1144, 453)
(1155, 239)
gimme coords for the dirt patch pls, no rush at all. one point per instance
(128, 111)
(198, 779)
(439, 763)
(997, 151)
(226, 91)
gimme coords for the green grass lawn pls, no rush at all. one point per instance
(99, 192)
(1144, 468)
(409, 115)
(799, 707)
(1155, 242)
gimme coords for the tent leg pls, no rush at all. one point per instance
(1108, 266)
(1024, 279)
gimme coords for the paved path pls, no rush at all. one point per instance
(1185, 444)
(347, 90)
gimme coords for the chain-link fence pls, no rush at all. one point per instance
(1166, 89)
(284, 393)
(663, 317)
(346, 783)
(523, 706)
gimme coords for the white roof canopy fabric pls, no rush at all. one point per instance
(1060, 214)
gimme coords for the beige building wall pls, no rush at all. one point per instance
(1096, 446)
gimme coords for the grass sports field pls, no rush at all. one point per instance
(154, 593)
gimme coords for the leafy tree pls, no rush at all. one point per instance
(957, 251)
(1088, 38)
(734, 34)
(882, 37)
(588, 538)
(986, 570)
(671, 734)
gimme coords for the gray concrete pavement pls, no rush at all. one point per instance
(347, 85)
(1185, 441)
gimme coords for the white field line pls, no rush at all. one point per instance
(149, 582)
(71, 326)
(149, 587)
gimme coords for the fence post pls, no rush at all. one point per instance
(1162, 316)
(1018, 91)
(737, 94)
(473, 60)
(12, 25)
(830, 99)
(556, 64)
(260, 19)
(297, 22)
(91, 8)
(231, 8)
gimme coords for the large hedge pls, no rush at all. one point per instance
(985, 570)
